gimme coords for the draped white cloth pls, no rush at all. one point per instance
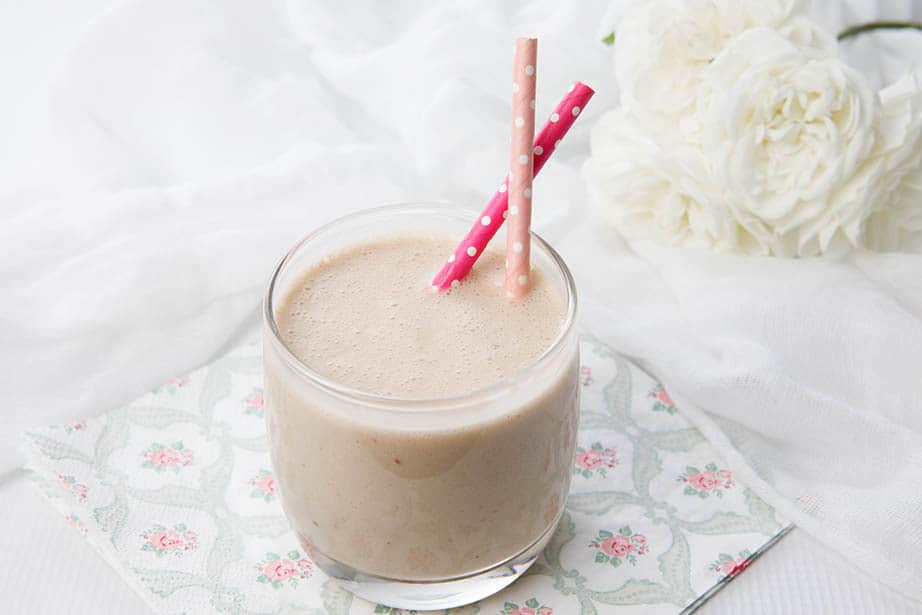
(807, 374)
(158, 158)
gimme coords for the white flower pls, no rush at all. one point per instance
(791, 137)
(648, 193)
(663, 48)
(739, 137)
(896, 221)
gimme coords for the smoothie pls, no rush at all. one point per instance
(470, 464)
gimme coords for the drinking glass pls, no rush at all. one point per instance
(421, 503)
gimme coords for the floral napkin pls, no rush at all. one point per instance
(177, 493)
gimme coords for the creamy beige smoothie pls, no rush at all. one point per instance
(471, 465)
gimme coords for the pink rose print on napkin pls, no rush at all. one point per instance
(597, 459)
(531, 607)
(162, 540)
(77, 524)
(72, 427)
(79, 490)
(173, 385)
(613, 549)
(662, 401)
(706, 482)
(159, 457)
(254, 403)
(277, 570)
(585, 376)
(263, 486)
(728, 566)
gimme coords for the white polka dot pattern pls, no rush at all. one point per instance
(501, 207)
(522, 158)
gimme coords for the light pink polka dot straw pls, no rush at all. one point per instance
(487, 224)
(521, 166)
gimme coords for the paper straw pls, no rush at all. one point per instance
(521, 167)
(487, 224)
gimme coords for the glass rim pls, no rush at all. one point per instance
(436, 207)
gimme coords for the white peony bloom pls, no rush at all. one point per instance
(896, 220)
(741, 130)
(792, 139)
(648, 193)
(663, 47)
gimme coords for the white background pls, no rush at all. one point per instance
(156, 158)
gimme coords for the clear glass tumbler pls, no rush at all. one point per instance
(421, 503)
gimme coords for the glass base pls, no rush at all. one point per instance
(433, 594)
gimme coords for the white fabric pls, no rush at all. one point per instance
(159, 157)
(809, 377)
